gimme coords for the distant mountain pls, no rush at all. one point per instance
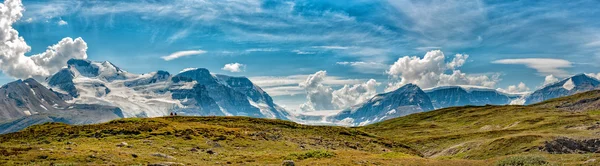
(25, 103)
(452, 96)
(191, 92)
(576, 84)
(407, 99)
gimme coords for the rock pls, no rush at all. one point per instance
(68, 148)
(288, 163)
(122, 144)
(134, 155)
(194, 149)
(166, 164)
(572, 146)
(163, 156)
(70, 143)
(210, 151)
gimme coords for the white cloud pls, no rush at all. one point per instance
(544, 66)
(318, 96)
(13, 61)
(262, 50)
(458, 61)
(550, 79)
(180, 54)
(520, 88)
(430, 70)
(234, 67)
(62, 22)
(284, 90)
(274, 81)
(351, 95)
(322, 97)
(302, 52)
(332, 47)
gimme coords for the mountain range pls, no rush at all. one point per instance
(88, 92)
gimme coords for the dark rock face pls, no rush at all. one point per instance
(63, 80)
(254, 92)
(23, 98)
(403, 101)
(26, 103)
(84, 67)
(457, 96)
(231, 102)
(580, 83)
(568, 146)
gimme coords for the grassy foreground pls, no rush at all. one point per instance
(488, 135)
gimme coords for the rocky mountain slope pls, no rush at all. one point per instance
(560, 131)
(407, 99)
(576, 84)
(191, 92)
(27, 102)
(452, 96)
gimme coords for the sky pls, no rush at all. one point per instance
(312, 55)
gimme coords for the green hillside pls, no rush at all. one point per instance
(560, 131)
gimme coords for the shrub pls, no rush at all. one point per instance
(522, 161)
(311, 154)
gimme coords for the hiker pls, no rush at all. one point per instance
(175, 113)
(171, 113)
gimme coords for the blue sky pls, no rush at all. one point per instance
(278, 43)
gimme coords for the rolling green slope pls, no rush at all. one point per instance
(559, 131)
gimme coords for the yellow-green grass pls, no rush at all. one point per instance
(485, 135)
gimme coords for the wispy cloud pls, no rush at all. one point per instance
(262, 50)
(180, 54)
(544, 66)
(366, 67)
(62, 22)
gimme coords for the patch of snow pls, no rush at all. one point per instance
(393, 111)
(32, 91)
(187, 69)
(468, 88)
(264, 109)
(27, 113)
(569, 85)
(225, 111)
(44, 107)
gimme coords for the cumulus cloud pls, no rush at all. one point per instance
(180, 54)
(430, 71)
(322, 97)
(544, 66)
(318, 96)
(351, 95)
(550, 79)
(520, 88)
(234, 67)
(13, 61)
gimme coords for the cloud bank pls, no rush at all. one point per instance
(322, 97)
(430, 71)
(13, 47)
